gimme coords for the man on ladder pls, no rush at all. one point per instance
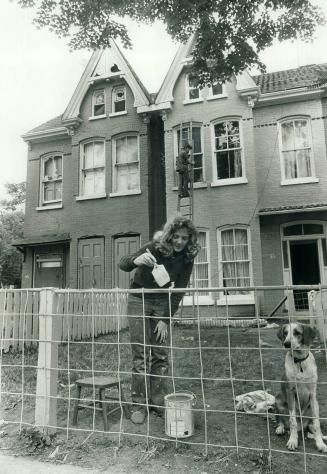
(184, 164)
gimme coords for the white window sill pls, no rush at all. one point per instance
(126, 193)
(229, 182)
(235, 300)
(117, 114)
(198, 185)
(200, 300)
(97, 117)
(49, 206)
(214, 97)
(91, 196)
(287, 182)
(192, 101)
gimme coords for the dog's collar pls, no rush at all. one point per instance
(298, 361)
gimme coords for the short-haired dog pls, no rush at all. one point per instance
(298, 397)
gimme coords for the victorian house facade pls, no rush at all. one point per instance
(101, 178)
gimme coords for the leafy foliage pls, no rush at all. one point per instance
(229, 33)
(11, 228)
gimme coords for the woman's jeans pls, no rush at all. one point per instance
(150, 357)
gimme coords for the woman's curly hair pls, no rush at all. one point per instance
(163, 238)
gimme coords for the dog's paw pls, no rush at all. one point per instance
(292, 444)
(280, 430)
(321, 446)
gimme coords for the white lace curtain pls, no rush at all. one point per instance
(235, 259)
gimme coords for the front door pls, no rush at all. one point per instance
(305, 269)
(91, 263)
(125, 245)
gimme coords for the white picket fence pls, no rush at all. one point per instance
(81, 314)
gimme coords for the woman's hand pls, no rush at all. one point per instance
(144, 259)
(162, 331)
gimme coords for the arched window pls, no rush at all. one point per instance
(51, 179)
(92, 180)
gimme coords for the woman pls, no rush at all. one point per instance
(175, 247)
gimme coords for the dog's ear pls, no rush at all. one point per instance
(309, 334)
(280, 332)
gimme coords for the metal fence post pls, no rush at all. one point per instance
(47, 372)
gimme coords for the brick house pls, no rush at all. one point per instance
(260, 172)
(91, 181)
(260, 195)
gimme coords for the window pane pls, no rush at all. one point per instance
(49, 168)
(58, 166)
(303, 163)
(288, 136)
(121, 150)
(235, 263)
(132, 154)
(196, 137)
(285, 254)
(313, 229)
(98, 154)
(57, 190)
(217, 89)
(88, 155)
(290, 164)
(293, 230)
(120, 106)
(48, 192)
(301, 134)
(99, 110)
(229, 164)
(194, 94)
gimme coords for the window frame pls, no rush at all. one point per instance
(309, 179)
(82, 195)
(115, 192)
(176, 150)
(212, 96)
(223, 299)
(53, 203)
(94, 116)
(227, 181)
(113, 112)
(187, 99)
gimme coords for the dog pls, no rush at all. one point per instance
(299, 391)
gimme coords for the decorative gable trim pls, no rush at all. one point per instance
(100, 67)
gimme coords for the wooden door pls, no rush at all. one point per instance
(125, 245)
(91, 263)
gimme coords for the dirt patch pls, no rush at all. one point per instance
(230, 362)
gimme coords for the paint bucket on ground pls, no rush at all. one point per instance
(179, 421)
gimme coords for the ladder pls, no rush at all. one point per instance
(185, 204)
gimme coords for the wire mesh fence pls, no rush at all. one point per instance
(68, 362)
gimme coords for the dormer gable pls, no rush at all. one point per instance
(105, 65)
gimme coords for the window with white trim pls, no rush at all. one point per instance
(195, 139)
(118, 99)
(192, 90)
(234, 259)
(92, 168)
(216, 90)
(51, 179)
(296, 149)
(99, 103)
(126, 164)
(228, 163)
(201, 264)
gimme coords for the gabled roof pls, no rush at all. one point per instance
(303, 76)
(244, 82)
(106, 64)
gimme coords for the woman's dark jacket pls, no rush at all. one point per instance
(178, 267)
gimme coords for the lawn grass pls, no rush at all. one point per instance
(231, 361)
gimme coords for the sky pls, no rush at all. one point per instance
(39, 74)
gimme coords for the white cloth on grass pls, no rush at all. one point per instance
(258, 401)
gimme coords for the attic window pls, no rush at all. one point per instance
(99, 107)
(119, 99)
(217, 89)
(192, 90)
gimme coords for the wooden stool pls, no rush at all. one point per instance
(101, 383)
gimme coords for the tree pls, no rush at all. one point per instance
(11, 228)
(229, 33)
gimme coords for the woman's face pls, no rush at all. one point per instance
(180, 239)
